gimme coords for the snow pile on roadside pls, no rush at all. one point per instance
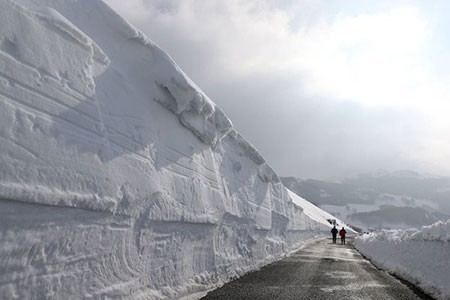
(439, 231)
(420, 256)
(119, 177)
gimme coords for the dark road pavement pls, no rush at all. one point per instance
(321, 270)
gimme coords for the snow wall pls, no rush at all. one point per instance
(419, 256)
(119, 177)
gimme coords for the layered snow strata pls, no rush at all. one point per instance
(420, 256)
(194, 108)
(119, 177)
(47, 69)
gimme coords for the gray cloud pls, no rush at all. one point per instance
(315, 137)
(228, 52)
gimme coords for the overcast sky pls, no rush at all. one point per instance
(322, 88)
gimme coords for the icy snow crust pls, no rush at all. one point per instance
(420, 256)
(119, 177)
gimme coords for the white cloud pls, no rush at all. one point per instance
(374, 59)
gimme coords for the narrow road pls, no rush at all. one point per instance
(321, 270)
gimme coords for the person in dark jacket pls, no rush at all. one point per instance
(334, 232)
(342, 233)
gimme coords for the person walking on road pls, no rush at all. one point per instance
(334, 232)
(342, 233)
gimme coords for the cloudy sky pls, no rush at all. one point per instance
(322, 88)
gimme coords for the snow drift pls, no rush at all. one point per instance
(420, 256)
(119, 177)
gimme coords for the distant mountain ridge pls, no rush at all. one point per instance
(381, 198)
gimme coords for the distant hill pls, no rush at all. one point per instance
(380, 198)
(391, 216)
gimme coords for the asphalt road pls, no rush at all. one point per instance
(321, 270)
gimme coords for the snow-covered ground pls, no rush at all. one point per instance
(420, 256)
(345, 211)
(119, 177)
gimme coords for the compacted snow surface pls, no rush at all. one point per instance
(119, 177)
(420, 256)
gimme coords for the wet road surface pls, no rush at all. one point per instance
(321, 270)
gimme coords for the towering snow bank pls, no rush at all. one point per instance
(421, 256)
(119, 177)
